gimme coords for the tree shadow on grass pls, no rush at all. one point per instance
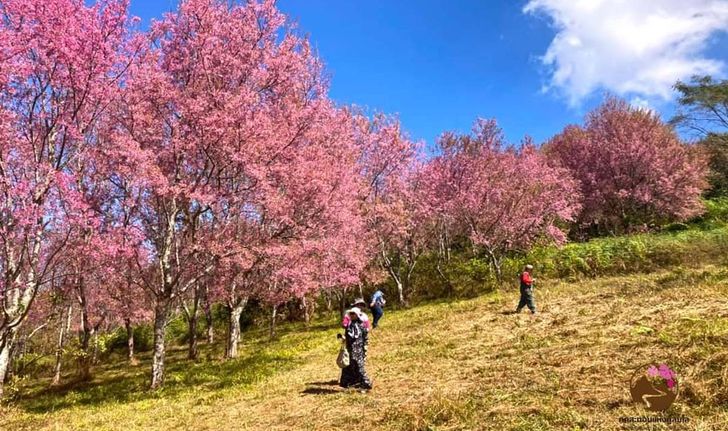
(261, 337)
(122, 383)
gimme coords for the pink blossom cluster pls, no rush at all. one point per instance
(632, 170)
(663, 372)
(501, 198)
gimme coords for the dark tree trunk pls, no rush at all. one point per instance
(88, 333)
(192, 351)
(130, 343)
(84, 359)
(342, 303)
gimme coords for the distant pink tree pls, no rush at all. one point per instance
(59, 71)
(388, 165)
(632, 169)
(499, 198)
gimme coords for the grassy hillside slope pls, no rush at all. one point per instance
(441, 366)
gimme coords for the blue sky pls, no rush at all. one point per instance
(439, 64)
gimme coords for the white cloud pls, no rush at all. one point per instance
(640, 103)
(636, 48)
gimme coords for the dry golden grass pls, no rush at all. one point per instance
(461, 365)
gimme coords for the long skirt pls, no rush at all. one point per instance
(355, 376)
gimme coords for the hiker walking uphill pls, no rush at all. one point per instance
(526, 290)
(377, 306)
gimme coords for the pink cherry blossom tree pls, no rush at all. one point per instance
(242, 154)
(388, 163)
(295, 234)
(632, 169)
(501, 199)
(59, 71)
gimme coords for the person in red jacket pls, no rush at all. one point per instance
(527, 290)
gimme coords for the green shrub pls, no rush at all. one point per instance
(466, 277)
(143, 339)
(676, 227)
(715, 215)
(177, 330)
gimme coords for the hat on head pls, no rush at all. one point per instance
(529, 266)
(357, 311)
(359, 302)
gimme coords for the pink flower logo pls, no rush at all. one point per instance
(655, 386)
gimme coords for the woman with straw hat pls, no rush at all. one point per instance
(360, 304)
(357, 338)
